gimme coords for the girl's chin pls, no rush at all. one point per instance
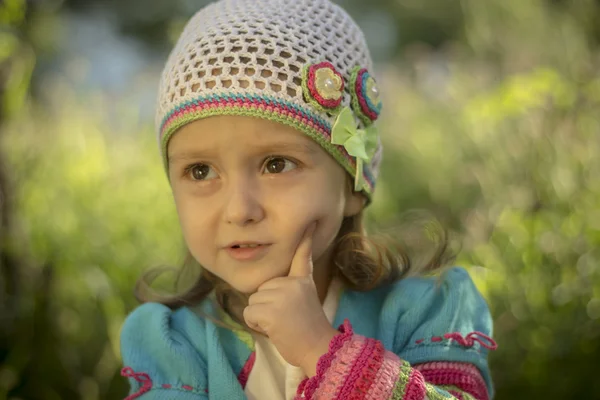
(249, 287)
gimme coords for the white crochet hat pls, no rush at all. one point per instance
(303, 63)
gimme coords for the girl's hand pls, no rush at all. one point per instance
(289, 312)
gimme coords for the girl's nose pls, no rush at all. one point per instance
(242, 204)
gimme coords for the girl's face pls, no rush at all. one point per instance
(244, 181)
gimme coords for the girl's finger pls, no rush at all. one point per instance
(272, 284)
(264, 296)
(256, 317)
(302, 265)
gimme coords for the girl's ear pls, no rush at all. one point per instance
(355, 202)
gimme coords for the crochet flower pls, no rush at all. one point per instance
(365, 95)
(359, 143)
(323, 86)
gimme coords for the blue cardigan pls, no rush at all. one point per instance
(179, 355)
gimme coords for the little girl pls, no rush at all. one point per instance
(266, 119)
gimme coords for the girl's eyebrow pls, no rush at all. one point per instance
(306, 148)
(299, 147)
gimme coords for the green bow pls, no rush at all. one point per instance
(360, 143)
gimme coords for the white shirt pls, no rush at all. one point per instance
(272, 378)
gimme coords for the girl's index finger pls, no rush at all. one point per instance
(302, 262)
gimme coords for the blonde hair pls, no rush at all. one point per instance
(361, 262)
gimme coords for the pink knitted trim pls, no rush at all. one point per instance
(245, 372)
(364, 368)
(146, 382)
(370, 368)
(415, 388)
(308, 386)
(461, 375)
(473, 337)
(335, 376)
(383, 386)
(245, 103)
(353, 374)
(141, 377)
(469, 341)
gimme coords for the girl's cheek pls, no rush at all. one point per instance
(325, 235)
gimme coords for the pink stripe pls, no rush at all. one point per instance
(369, 370)
(483, 339)
(270, 109)
(245, 372)
(462, 375)
(243, 103)
(358, 366)
(308, 386)
(140, 377)
(386, 377)
(335, 376)
(415, 388)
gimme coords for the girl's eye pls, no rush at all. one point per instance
(277, 165)
(200, 172)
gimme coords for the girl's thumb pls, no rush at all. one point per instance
(302, 262)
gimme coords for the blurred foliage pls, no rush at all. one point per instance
(429, 21)
(493, 125)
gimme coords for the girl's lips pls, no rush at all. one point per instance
(248, 253)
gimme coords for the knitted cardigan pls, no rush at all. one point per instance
(419, 338)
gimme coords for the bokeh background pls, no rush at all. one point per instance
(491, 122)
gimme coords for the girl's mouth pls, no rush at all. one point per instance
(248, 251)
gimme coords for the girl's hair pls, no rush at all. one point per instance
(421, 246)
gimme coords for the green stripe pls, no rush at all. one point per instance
(402, 381)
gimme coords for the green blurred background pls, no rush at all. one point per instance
(491, 121)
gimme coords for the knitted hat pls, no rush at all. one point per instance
(303, 63)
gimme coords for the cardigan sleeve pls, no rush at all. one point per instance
(438, 337)
(159, 359)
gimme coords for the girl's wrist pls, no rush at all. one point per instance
(309, 364)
